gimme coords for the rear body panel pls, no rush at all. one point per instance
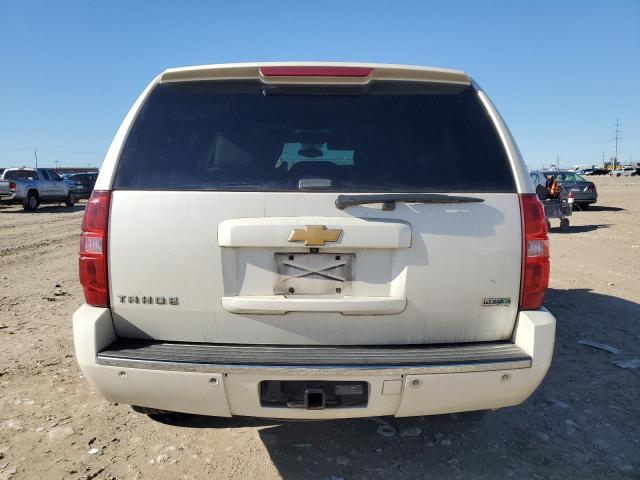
(227, 268)
(456, 256)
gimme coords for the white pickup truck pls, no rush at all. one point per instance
(34, 186)
(314, 241)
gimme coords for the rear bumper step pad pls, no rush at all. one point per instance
(313, 360)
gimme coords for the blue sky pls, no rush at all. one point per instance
(560, 72)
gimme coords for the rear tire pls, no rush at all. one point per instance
(70, 201)
(149, 411)
(30, 203)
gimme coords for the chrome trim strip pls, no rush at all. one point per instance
(350, 370)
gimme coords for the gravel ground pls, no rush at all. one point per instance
(582, 423)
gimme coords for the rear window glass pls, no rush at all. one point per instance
(20, 175)
(243, 136)
(567, 177)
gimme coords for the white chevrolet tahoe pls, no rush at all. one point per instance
(314, 241)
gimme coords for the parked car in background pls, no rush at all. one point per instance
(624, 172)
(34, 186)
(584, 192)
(314, 242)
(83, 183)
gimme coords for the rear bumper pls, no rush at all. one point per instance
(223, 380)
(82, 193)
(585, 197)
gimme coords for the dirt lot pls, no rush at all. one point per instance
(582, 423)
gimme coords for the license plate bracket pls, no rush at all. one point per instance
(313, 273)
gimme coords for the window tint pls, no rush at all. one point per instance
(243, 136)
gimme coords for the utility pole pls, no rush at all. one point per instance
(35, 154)
(616, 138)
(557, 162)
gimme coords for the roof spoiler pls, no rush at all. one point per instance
(315, 73)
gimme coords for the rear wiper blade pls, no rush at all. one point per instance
(389, 200)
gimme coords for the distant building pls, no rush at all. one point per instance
(62, 170)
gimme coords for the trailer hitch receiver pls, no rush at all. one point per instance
(314, 399)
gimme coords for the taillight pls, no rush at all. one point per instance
(12, 186)
(535, 253)
(93, 249)
(591, 186)
(311, 71)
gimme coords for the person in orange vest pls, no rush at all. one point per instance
(553, 189)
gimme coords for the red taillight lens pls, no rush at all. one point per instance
(311, 71)
(12, 186)
(535, 253)
(591, 186)
(93, 250)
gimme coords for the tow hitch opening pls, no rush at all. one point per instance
(313, 395)
(314, 399)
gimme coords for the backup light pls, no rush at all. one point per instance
(537, 248)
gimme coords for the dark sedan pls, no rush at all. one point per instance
(584, 192)
(83, 183)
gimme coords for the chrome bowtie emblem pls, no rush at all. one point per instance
(315, 235)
